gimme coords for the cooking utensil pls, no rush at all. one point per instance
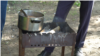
(24, 13)
(30, 21)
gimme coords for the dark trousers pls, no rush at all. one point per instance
(3, 5)
(85, 14)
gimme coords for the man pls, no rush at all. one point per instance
(3, 5)
(60, 16)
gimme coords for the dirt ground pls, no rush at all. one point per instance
(10, 46)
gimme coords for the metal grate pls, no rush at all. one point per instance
(48, 40)
(66, 38)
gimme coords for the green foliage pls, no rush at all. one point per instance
(24, 1)
(15, 2)
(44, 2)
(12, 2)
(35, 0)
(77, 3)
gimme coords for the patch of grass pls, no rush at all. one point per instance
(43, 2)
(35, 0)
(12, 2)
(74, 13)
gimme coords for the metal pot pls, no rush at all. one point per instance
(34, 21)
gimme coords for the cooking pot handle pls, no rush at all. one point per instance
(35, 21)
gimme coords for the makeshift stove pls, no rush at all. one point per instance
(34, 33)
(65, 37)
